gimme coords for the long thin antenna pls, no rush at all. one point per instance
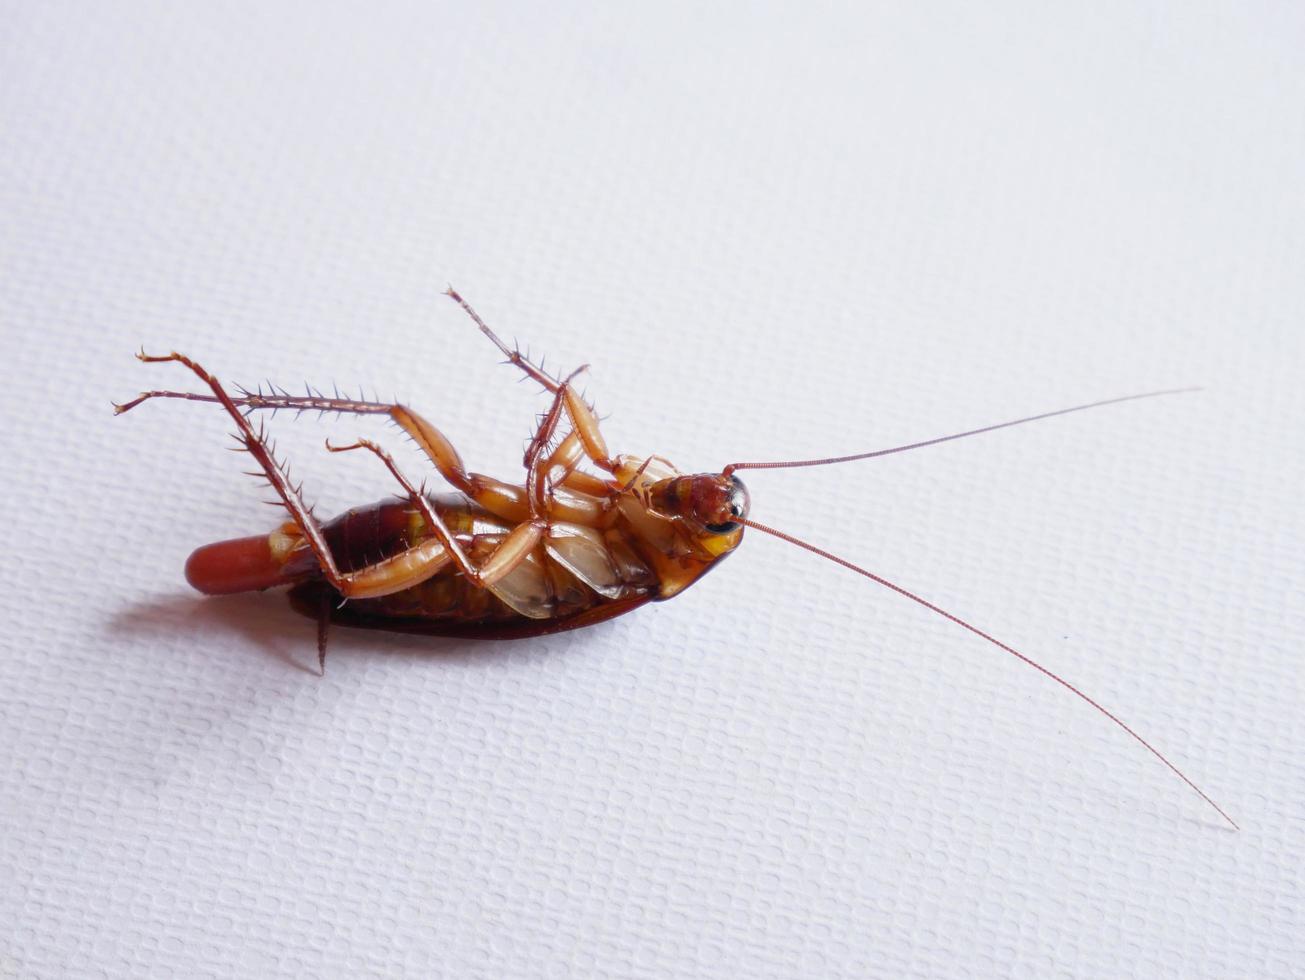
(747, 522)
(959, 435)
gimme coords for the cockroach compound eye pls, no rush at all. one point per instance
(585, 537)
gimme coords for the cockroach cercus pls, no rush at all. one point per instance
(567, 547)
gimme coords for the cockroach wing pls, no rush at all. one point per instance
(526, 589)
(583, 552)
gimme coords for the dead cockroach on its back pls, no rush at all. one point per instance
(568, 547)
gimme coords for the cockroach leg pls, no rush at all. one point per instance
(513, 354)
(430, 440)
(275, 402)
(634, 478)
(537, 483)
(582, 415)
(510, 553)
(522, 539)
(500, 499)
(392, 574)
(255, 444)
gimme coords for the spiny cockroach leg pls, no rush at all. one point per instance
(257, 400)
(510, 552)
(537, 488)
(391, 574)
(256, 445)
(494, 495)
(581, 412)
(513, 353)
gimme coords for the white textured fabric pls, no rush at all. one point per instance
(774, 232)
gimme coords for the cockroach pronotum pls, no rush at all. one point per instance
(568, 547)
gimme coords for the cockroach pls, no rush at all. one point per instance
(566, 548)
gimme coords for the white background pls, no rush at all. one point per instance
(774, 232)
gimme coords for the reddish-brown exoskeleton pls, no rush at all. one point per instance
(568, 547)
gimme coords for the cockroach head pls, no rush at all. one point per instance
(713, 501)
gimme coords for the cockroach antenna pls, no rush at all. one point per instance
(827, 460)
(851, 566)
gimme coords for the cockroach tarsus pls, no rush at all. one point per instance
(566, 548)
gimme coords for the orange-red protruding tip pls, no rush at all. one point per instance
(239, 565)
